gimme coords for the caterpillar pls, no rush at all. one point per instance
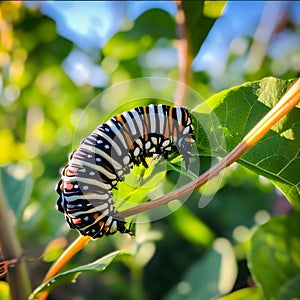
(108, 153)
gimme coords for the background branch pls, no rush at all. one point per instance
(184, 58)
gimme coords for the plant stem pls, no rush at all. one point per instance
(18, 278)
(289, 100)
(76, 246)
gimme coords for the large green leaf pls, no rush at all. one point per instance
(231, 115)
(274, 258)
(72, 275)
(200, 16)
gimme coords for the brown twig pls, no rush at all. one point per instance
(184, 58)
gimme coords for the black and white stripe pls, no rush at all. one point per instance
(105, 156)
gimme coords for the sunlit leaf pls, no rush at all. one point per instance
(54, 249)
(138, 183)
(234, 112)
(214, 9)
(72, 275)
(274, 258)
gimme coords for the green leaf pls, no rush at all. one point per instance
(214, 9)
(274, 258)
(231, 115)
(143, 184)
(148, 27)
(214, 274)
(250, 293)
(200, 16)
(54, 249)
(17, 190)
(72, 275)
(291, 290)
(139, 183)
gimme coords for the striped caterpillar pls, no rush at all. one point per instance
(108, 153)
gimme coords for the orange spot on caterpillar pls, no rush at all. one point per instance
(76, 221)
(72, 171)
(95, 216)
(68, 185)
(101, 224)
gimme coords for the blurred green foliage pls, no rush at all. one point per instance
(280, 260)
(44, 115)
